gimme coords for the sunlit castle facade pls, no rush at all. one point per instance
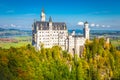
(75, 43)
(48, 33)
(51, 33)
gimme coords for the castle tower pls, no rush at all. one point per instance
(42, 15)
(50, 23)
(86, 30)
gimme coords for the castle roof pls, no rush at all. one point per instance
(55, 25)
(86, 22)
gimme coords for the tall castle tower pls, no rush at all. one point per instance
(86, 30)
(42, 16)
(50, 23)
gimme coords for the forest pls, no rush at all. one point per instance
(99, 61)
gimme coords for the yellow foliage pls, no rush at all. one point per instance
(4, 60)
(107, 46)
(111, 73)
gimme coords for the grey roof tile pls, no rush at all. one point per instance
(56, 25)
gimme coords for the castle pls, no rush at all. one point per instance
(52, 33)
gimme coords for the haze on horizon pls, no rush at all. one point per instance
(101, 14)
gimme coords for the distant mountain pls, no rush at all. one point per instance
(1, 29)
(14, 29)
(14, 32)
(10, 32)
(9, 29)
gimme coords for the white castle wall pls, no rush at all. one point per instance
(72, 43)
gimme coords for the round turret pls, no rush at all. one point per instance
(86, 30)
(86, 24)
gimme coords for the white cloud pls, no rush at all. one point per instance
(92, 25)
(12, 25)
(103, 25)
(97, 25)
(80, 23)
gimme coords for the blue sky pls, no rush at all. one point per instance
(101, 14)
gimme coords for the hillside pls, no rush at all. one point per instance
(14, 32)
(99, 61)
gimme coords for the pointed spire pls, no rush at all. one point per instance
(42, 15)
(43, 10)
(50, 19)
